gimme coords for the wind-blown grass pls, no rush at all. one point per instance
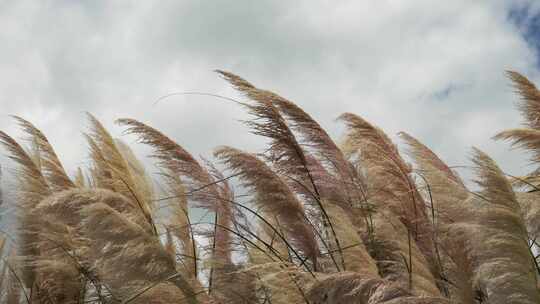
(315, 222)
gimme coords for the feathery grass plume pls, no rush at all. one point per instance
(229, 283)
(35, 153)
(180, 224)
(400, 240)
(162, 293)
(416, 300)
(398, 257)
(427, 159)
(527, 139)
(64, 246)
(504, 266)
(444, 187)
(281, 282)
(354, 288)
(115, 242)
(355, 256)
(197, 180)
(312, 135)
(32, 184)
(141, 179)
(387, 172)
(175, 159)
(269, 240)
(449, 209)
(273, 196)
(285, 153)
(58, 279)
(222, 238)
(389, 183)
(344, 288)
(111, 169)
(530, 209)
(64, 207)
(332, 192)
(530, 99)
(59, 268)
(52, 168)
(244, 286)
(180, 227)
(61, 282)
(457, 243)
(266, 256)
(343, 177)
(31, 188)
(123, 254)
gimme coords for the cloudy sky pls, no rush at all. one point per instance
(432, 68)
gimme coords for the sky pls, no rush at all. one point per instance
(434, 69)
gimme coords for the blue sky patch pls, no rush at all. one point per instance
(447, 91)
(528, 22)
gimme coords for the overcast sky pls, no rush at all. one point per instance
(432, 68)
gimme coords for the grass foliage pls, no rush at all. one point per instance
(316, 222)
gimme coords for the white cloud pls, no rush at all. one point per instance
(435, 70)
